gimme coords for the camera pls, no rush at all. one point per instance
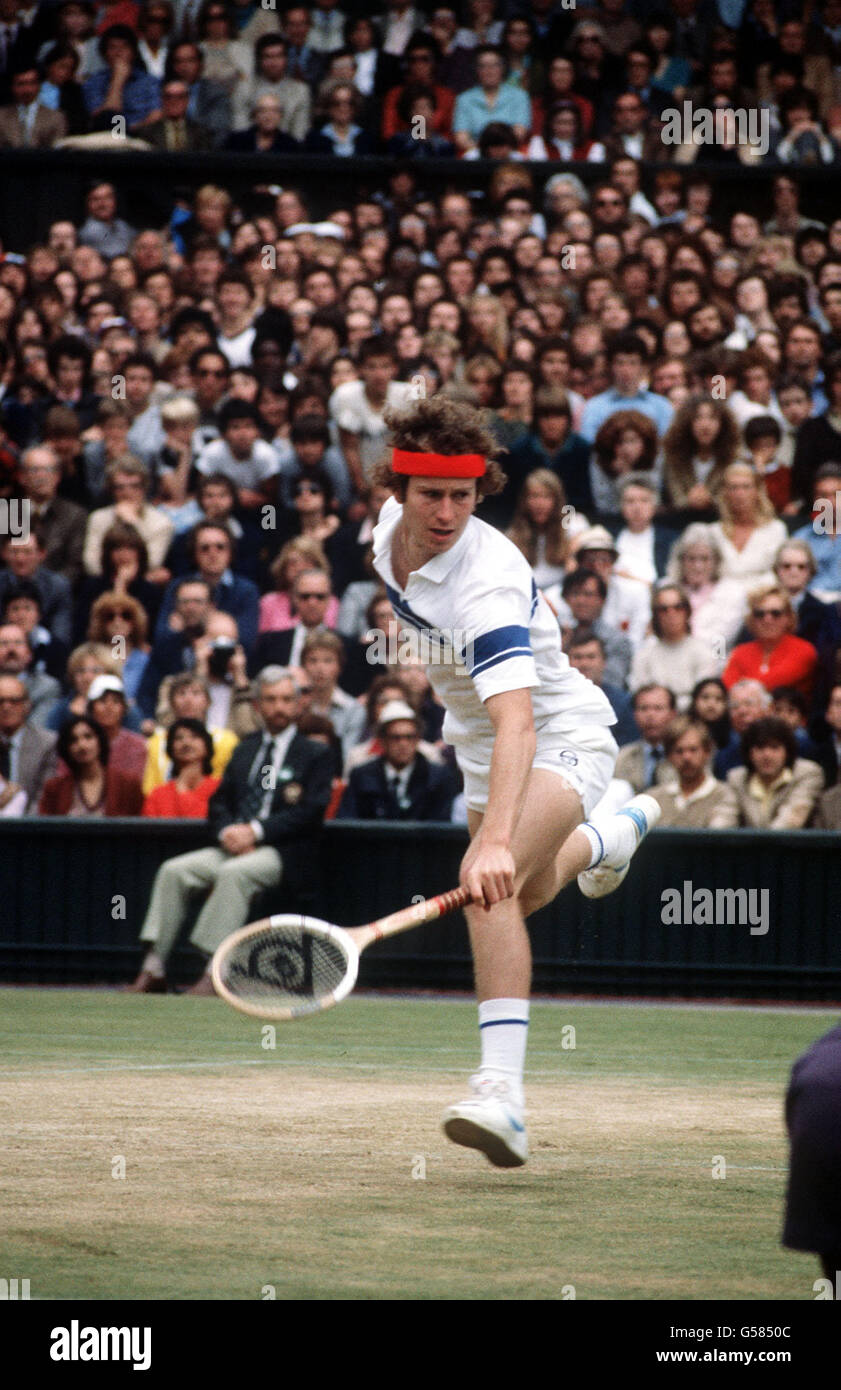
(221, 651)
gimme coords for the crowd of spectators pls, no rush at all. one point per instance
(191, 413)
(540, 80)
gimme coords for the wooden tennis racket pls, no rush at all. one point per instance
(289, 966)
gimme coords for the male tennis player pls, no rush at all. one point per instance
(532, 735)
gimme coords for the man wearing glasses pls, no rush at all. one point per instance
(311, 594)
(27, 754)
(212, 551)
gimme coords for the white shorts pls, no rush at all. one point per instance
(584, 759)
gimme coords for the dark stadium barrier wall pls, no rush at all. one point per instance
(73, 894)
(42, 186)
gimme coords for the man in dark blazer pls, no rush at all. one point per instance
(265, 817)
(401, 784)
(25, 559)
(211, 546)
(27, 754)
(176, 131)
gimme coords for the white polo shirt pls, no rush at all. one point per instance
(489, 630)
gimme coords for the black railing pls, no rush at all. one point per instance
(73, 894)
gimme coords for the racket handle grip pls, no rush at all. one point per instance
(418, 913)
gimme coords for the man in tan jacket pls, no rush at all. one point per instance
(698, 801)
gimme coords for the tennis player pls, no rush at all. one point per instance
(531, 734)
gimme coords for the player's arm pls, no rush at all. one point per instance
(488, 866)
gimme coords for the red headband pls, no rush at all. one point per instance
(438, 465)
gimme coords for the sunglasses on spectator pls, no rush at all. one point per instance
(308, 487)
(213, 545)
(211, 371)
(125, 613)
(769, 612)
(669, 607)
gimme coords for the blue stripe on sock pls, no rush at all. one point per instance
(590, 826)
(495, 1022)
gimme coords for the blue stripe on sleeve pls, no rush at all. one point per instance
(499, 645)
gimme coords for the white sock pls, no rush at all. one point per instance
(154, 965)
(613, 839)
(503, 1032)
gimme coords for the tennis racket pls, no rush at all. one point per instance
(289, 966)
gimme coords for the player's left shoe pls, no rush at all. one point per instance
(622, 834)
(492, 1120)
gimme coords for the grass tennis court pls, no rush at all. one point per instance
(301, 1167)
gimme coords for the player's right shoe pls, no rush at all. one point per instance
(491, 1121)
(623, 833)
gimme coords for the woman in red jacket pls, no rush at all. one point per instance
(88, 786)
(189, 747)
(776, 657)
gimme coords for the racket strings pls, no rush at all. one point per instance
(287, 966)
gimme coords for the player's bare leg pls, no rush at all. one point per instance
(550, 848)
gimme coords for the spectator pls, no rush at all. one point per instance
(322, 659)
(27, 753)
(628, 358)
(775, 789)
(128, 483)
(541, 527)
(401, 784)
(775, 656)
(309, 454)
(26, 124)
(264, 135)
(492, 99)
(119, 622)
(748, 534)
(271, 78)
(700, 444)
(85, 663)
(107, 707)
(625, 443)
(822, 535)
(175, 131)
(125, 565)
(16, 659)
(718, 605)
(62, 523)
(22, 605)
(672, 657)
(24, 558)
(697, 801)
(708, 706)
(209, 104)
(580, 602)
(587, 654)
(241, 455)
(643, 763)
(265, 818)
(185, 696)
(88, 786)
(643, 544)
(121, 88)
(747, 701)
(819, 438)
(311, 600)
(628, 603)
(341, 136)
(358, 407)
(551, 443)
(187, 794)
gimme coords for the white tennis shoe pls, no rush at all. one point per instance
(491, 1121)
(627, 828)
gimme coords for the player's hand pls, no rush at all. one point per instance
(487, 871)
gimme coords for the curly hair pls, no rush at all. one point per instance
(442, 426)
(610, 433)
(680, 447)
